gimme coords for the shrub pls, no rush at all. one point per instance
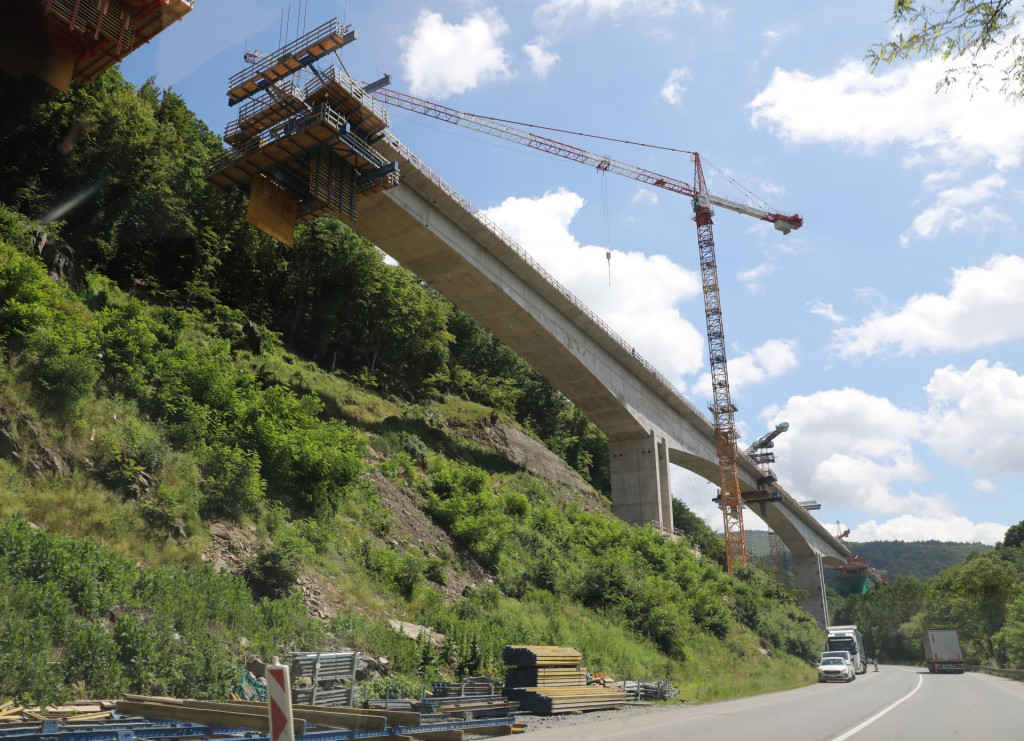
(273, 572)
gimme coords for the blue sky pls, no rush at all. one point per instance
(888, 331)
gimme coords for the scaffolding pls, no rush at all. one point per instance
(63, 40)
(302, 143)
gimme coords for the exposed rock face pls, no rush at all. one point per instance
(59, 257)
(510, 442)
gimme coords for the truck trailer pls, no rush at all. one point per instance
(942, 651)
(848, 638)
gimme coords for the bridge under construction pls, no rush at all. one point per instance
(323, 147)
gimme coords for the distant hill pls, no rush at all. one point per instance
(923, 559)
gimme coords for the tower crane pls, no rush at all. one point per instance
(722, 408)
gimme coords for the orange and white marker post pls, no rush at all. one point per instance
(279, 700)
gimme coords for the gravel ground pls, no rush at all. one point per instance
(540, 722)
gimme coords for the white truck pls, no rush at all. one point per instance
(848, 638)
(942, 651)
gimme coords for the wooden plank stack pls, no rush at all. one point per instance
(538, 656)
(549, 679)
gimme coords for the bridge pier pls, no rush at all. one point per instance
(641, 492)
(810, 581)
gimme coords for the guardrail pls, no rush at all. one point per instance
(1012, 673)
(352, 87)
(329, 28)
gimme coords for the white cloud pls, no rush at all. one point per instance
(770, 360)
(640, 304)
(643, 195)
(853, 106)
(845, 446)
(976, 418)
(851, 450)
(541, 58)
(935, 180)
(956, 208)
(557, 13)
(911, 527)
(752, 277)
(442, 59)
(985, 305)
(820, 308)
(673, 89)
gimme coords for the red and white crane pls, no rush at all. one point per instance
(722, 408)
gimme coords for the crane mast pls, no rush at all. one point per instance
(723, 411)
(722, 408)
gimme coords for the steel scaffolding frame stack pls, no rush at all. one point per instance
(302, 150)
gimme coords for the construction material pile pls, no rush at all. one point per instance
(323, 678)
(549, 679)
(660, 690)
(196, 720)
(14, 715)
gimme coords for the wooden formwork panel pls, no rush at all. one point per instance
(273, 210)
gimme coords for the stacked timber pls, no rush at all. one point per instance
(549, 679)
(552, 700)
(551, 676)
(538, 656)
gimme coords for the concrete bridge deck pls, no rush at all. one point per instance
(431, 230)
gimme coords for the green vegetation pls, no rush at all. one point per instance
(76, 619)
(982, 598)
(157, 396)
(923, 559)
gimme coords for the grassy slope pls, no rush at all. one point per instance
(364, 568)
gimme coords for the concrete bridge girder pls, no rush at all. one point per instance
(432, 233)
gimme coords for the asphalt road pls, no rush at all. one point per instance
(894, 704)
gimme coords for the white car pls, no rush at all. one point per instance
(834, 669)
(845, 655)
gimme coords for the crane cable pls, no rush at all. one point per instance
(754, 198)
(583, 134)
(607, 223)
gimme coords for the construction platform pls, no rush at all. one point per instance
(289, 59)
(63, 40)
(302, 143)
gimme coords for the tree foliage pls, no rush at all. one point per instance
(972, 36)
(981, 598)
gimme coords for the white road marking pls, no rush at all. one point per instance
(880, 713)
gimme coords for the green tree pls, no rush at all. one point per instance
(881, 614)
(1014, 537)
(973, 36)
(697, 531)
(973, 599)
(1009, 641)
